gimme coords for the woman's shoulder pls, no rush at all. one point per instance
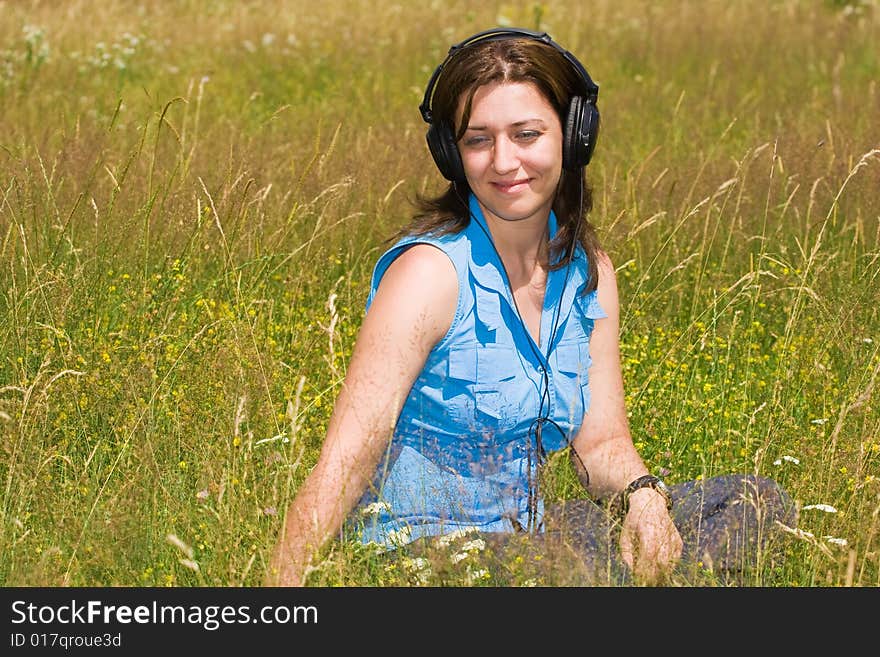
(424, 251)
(445, 241)
(423, 261)
(424, 266)
(421, 285)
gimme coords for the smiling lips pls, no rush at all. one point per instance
(512, 186)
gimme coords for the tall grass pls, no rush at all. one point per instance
(192, 195)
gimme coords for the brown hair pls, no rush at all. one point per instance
(511, 60)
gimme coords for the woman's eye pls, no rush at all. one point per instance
(476, 141)
(528, 135)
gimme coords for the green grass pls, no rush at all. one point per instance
(192, 195)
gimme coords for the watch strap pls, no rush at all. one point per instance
(645, 481)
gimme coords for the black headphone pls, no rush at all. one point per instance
(579, 130)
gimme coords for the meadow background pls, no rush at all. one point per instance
(192, 195)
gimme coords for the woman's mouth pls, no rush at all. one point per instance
(511, 187)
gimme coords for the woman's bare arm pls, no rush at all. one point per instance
(649, 540)
(412, 310)
(604, 442)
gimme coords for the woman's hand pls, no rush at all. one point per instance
(649, 541)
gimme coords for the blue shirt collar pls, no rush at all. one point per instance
(488, 271)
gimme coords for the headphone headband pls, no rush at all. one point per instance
(591, 89)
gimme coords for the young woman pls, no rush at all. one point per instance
(491, 339)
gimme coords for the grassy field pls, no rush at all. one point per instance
(192, 195)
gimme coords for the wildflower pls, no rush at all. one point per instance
(836, 541)
(474, 546)
(820, 421)
(375, 508)
(790, 459)
(476, 574)
(455, 558)
(446, 539)
(202, 494)
(399, 537)
(417, 564)
(827, 508)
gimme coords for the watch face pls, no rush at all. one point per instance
(664, 490)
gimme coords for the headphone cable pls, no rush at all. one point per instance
(537, 424)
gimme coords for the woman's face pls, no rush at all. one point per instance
(512, 151)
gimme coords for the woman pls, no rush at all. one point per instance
(491, 339)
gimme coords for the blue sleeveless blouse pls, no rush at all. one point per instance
(462, 456)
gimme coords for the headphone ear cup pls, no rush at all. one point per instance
(590, 126)
(580, 133)
(441, 143)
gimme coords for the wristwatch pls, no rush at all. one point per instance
(646, 481)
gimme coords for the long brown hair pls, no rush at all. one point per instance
(510, 60)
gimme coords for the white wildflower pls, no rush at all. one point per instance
(827, 508)
(375, 508)
(420, 568)
(399, 537)
(455, 558)
(476, 574)
(416, 564)
(819, 420)
(790, 459)
(836, 541)
(446, 539)
(475, 545)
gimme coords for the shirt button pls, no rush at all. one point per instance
(540, 369)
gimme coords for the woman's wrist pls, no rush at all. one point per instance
(640, 492)
(644, 498)
(646, 482)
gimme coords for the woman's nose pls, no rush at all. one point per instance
(504, 156)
